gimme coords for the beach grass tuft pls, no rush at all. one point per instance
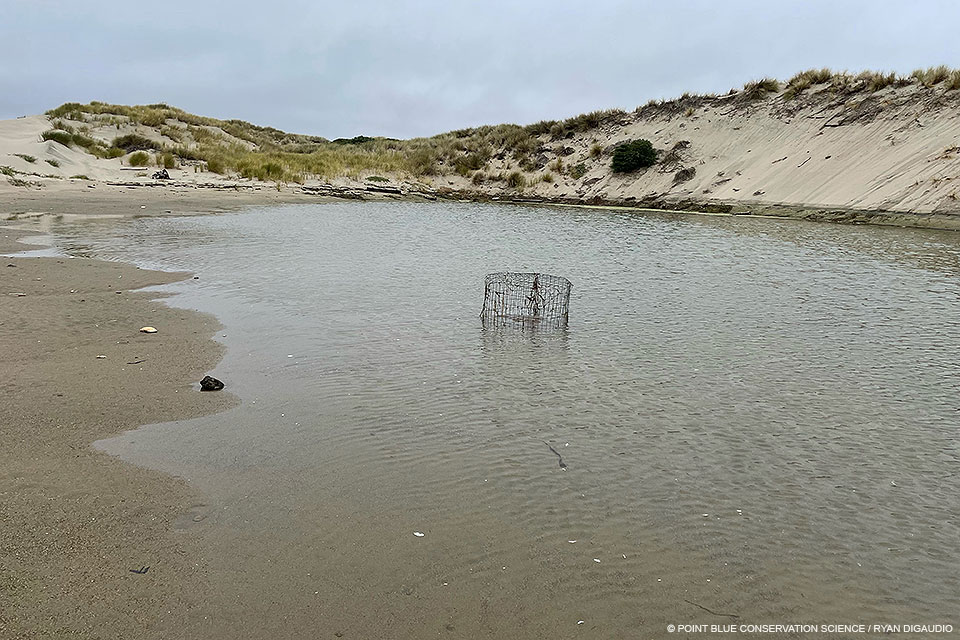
(932, 76)
(516, 180)
(62, 136)
(760, 88)
(139, 159)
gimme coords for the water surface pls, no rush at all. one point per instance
(758, 417)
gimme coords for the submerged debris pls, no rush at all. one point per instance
(563, 465)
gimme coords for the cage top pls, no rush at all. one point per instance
(524, 276)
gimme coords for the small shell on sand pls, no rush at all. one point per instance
(148, 330)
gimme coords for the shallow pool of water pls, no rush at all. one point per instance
(758, 419)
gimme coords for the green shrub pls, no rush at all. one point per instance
(134, 142)
(167, 161)
(516, 180)
(114, 152)
(139, 159)
(53, 163)
(63, 137)
(577, 171)
(547, 177)
(7, 171)
(30, 159)
(353, 140)
(378, 179)
(633, 155)
(216, 165)
(596, 150)
(80, 176)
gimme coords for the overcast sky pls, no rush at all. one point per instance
(412, 68)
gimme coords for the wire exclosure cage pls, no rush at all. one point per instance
(526, 297)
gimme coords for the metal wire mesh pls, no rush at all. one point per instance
(526, 297)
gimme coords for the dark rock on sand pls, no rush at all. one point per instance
(209, 383)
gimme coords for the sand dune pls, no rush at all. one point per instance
(896, 150)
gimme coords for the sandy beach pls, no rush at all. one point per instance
(94, 547)
(75, 522)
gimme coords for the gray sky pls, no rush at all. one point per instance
(412, 68)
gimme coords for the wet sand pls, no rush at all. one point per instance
(74, 522)
(75, 199)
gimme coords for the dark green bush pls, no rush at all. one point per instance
(633, 155)
(134, 142)
(353, 140)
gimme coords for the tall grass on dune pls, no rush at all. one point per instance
(758, 89)
(239, 148)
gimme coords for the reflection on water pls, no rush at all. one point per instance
(755, 416)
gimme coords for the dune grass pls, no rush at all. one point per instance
(139, 159)
(516, 180)
(758, 89)
(28, 158)
(239, 148)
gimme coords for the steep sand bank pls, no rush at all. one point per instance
(74, 522)
(836, 152)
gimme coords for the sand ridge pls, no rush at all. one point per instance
(890, 156)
